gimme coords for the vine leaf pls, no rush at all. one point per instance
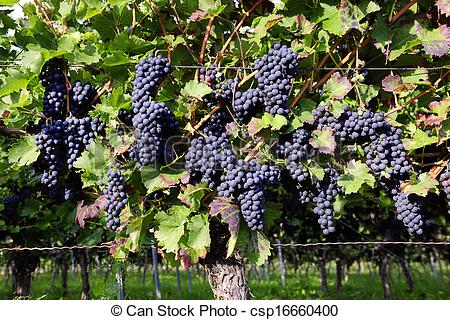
(275, 122)
(156, 180)
(424, 185)
(195, 89)
(391, 83)
(436, 41)
(171, 227)
(90, 211)
(356, 174)
(255, 125)
(440, 110)
(24, 151)
(193, 195)
(336, 87)
(331, 20)
(230, 214)
(419, 140)
(199, 238)
(323, 140)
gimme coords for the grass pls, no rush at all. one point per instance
(364, 285)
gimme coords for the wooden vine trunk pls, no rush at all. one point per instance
(23, 265)
(226, 276)
(83, 261)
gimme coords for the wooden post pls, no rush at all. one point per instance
(282, 267)
(120, 279)
(266, 271)
(178, 283)
(189, 280)
(433, 265)
(156, 273)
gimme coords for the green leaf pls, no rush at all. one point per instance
(8, 3)
(356, 174)
(94, 161)
(275, 122)
(14, 83)
(196, 89)
(193, 195)
(116, 58)
(336, 87)
(316, 171)
(199, 238)
(263, 248)
(24, 151)
(424, 185)
(171, 227)
(419, 140)
(323, 140)
(65, 8)
(331, 20)
(155, 180)
(368, 92)
(255, 125)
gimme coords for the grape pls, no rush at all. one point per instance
(81, 98)
(325, 192)
(222, 95)
(247, 104)
(149, 75)
(50, 143)
(78, 135)
(386, 155)
(445, 182)
(54, 80)
(208, 156)
(275, 71)
(154, 123)
(295, 149)
(210, 75)
(11, 204)
(408, 212)
(246, 182)
(351, 126)
(116, 198)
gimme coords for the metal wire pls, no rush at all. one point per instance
(4, 63)
(314, 244)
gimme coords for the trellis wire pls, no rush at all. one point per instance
(313, 244)
(10, 63)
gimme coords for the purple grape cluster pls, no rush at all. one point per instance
(78, 134)
(116, 198)
(445, 182)
(50, 142)
(153, 123)
(275, 72)
(208, 156)
(247, 104)
(149, 75)
(53, 79)
(324, 193)
(81, 97)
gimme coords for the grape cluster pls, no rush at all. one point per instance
(81, 97)
(247, 104)
(445, 182)
(246, 183)
(275, 72)
(149, 75)
(295, 150)
(351, 125)
(50, 143)
(53, 79)
(208, 156)
(73, 186)
(154, 123)
(408, 211)
(116, 198)
(78, 135)
(222, 95)
(386, 154)
(211, 74)
(325, 192)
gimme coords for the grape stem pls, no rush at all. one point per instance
(47, 20)
(402, 11)
(205, 39)
(163, 28)
(105, 88)
(431, 89)
(254, 151)
(236, 29)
